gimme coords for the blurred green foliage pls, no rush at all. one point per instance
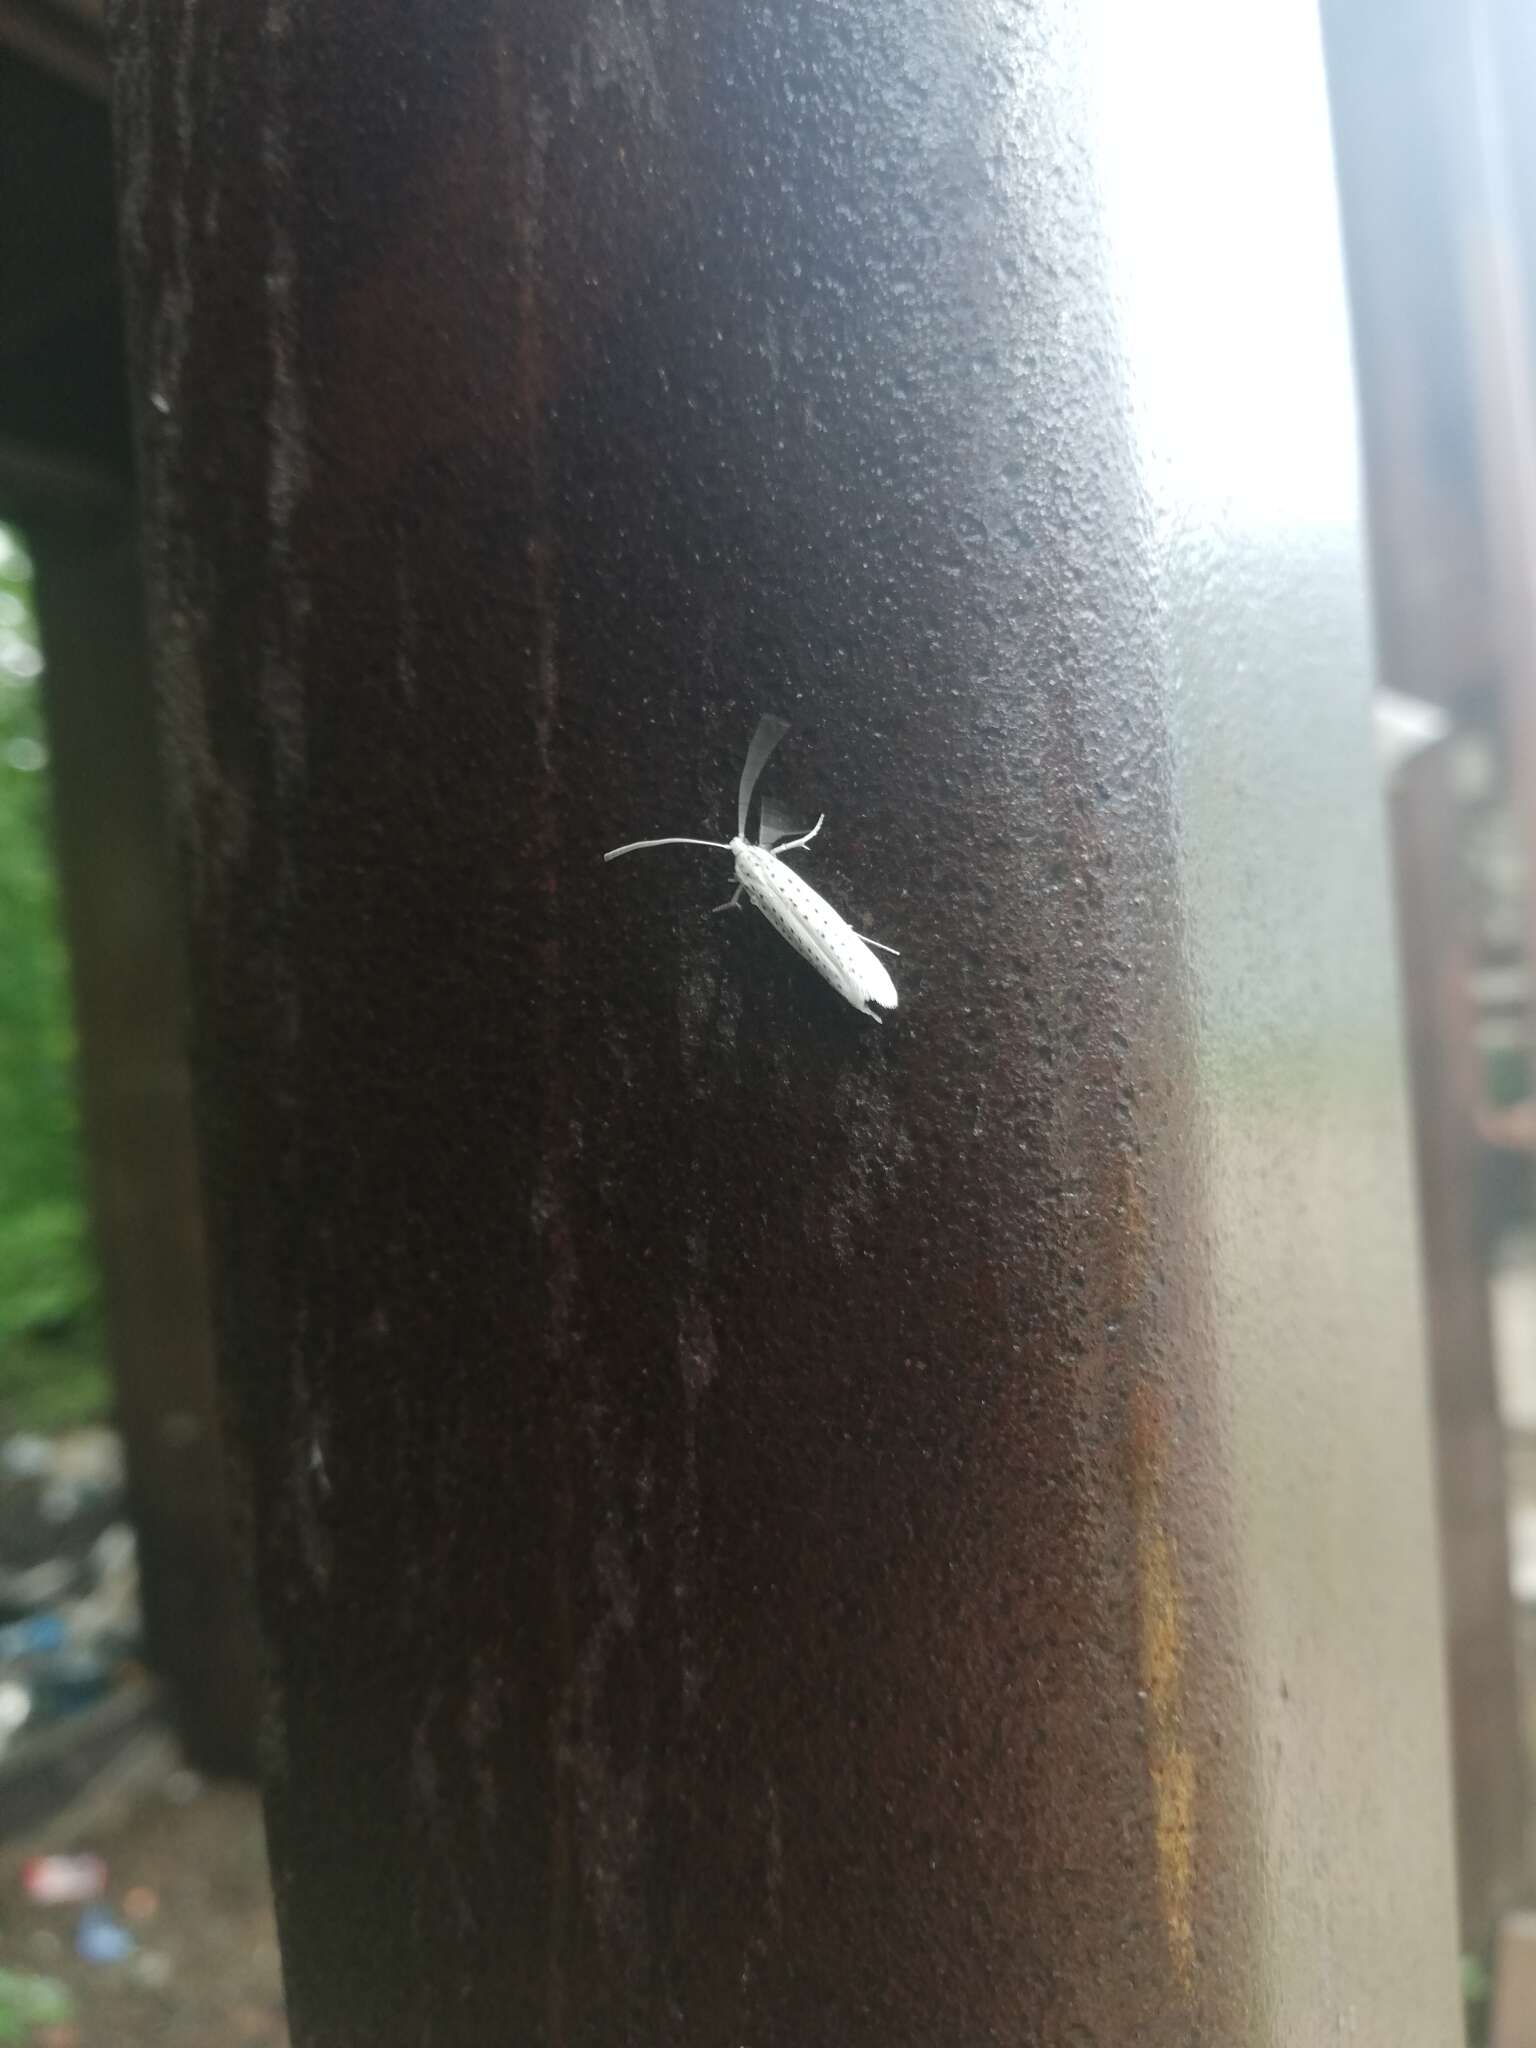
(50, 1371)
(1476, 1997)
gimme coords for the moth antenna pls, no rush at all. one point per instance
(769, 732)
(639, 845)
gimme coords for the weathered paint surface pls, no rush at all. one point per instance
(774, 1529)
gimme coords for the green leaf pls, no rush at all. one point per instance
(47, 1277)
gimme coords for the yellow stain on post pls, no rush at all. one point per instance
(1171, 1764)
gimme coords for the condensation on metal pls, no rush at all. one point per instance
(771, 1530)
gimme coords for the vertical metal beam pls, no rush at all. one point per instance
(1443, 414)
(1411, 188)
(1447, 1097)
(128, 965)
(64, 460)
(772, 1528)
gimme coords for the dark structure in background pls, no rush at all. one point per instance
(65, 476)
(1491, 1812)
(1435, 116)
(771, 1528)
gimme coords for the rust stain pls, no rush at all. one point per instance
(1171, 1764)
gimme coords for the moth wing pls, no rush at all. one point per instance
(769, 732)
(775, 823)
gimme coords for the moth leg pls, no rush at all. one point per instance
(789, 845)
(731, 901)
(879, 947)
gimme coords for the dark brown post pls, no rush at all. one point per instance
(129, 977)
(774, 1528)
(64, 476)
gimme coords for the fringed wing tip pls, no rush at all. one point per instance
(770, 731)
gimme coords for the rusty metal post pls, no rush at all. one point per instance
(771, 1528)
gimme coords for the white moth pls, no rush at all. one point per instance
(792, 906)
